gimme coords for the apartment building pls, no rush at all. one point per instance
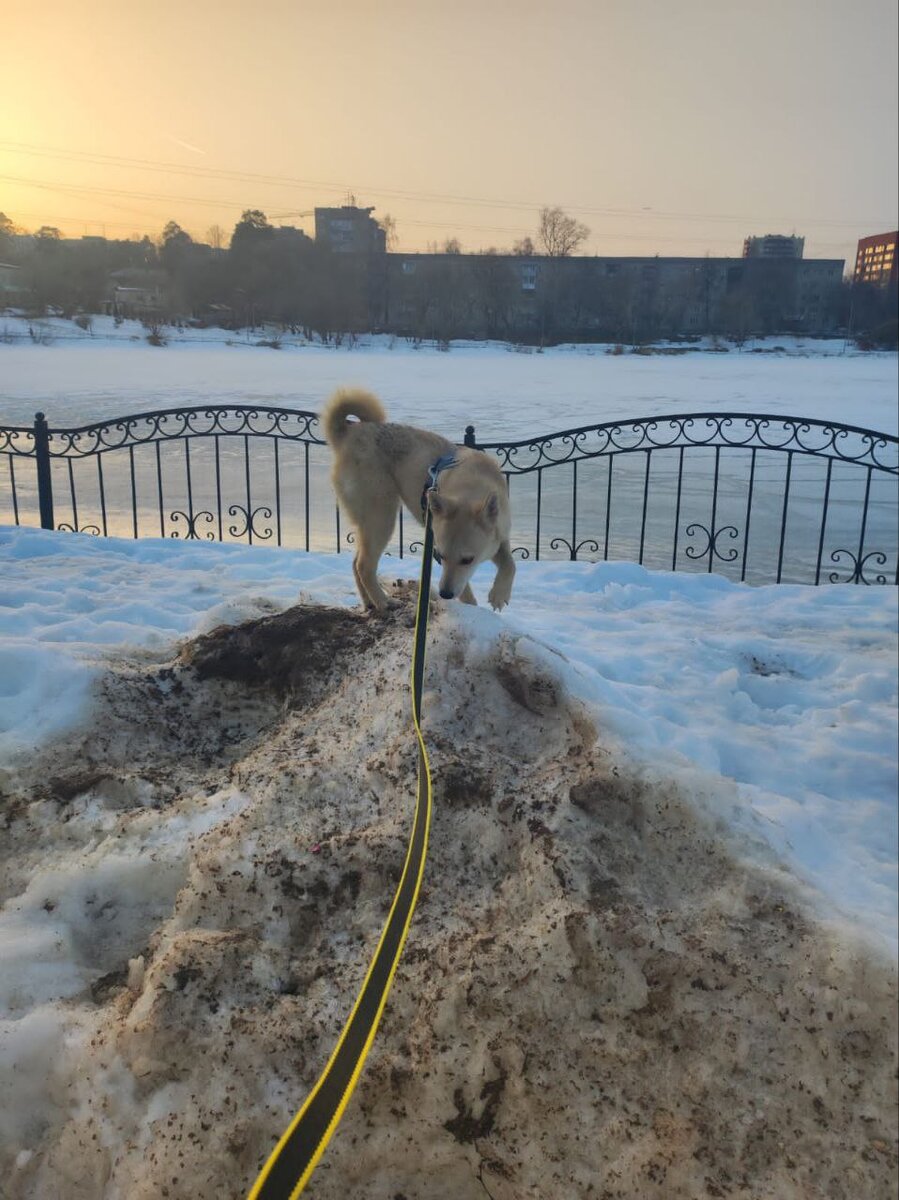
(619, 299)
(875, 260)
(349, 230)
(773, 245)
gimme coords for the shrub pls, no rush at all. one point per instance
(883, 337)
(156, 337)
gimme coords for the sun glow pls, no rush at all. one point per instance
(456, 121)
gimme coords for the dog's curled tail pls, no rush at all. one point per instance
(349, 402)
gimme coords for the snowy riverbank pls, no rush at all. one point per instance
(505, 392)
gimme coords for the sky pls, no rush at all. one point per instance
(666, 128)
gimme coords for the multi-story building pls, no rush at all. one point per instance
(618, 299)
(875, 260)
(773, 245)
(349, 230)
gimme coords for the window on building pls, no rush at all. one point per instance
(529, 277)
(408, 267)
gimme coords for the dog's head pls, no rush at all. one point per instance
(464, 535)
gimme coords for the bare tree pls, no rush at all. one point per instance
(559, 234)
(388, 224)
(452, 245)
(524, 248)
(215, 236)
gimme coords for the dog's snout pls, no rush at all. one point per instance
(446, 594)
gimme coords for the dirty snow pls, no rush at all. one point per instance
(789, 691)
(652, 955)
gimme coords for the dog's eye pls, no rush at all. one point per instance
(466, 562)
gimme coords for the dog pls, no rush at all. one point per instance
(379, 465)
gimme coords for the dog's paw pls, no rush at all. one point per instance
(382, 607)
(500, 595)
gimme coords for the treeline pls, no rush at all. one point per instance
(267, 274)
(538, 293)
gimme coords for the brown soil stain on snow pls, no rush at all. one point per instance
(598, 997)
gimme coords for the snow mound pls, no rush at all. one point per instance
(600, 994)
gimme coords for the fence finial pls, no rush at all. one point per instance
(469, 436)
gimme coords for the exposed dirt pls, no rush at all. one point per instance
(598, 998)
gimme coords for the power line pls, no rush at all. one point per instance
(642, 213)
(83, 190)
(72, 190)
(54, 219)
(508, 231)
(424, 249)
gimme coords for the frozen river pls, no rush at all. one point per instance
(667, 511)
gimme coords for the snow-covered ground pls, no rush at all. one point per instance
(659, 918)
(789, 693)
(192, 877)
(506, 394)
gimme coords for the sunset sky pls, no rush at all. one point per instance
(670, 128)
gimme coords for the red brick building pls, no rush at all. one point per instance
(875, 260)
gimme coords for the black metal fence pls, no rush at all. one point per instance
(757, 498)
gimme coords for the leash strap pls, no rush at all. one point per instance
(293, 1160)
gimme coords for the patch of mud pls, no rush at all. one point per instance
(597, 998)
(294, 655)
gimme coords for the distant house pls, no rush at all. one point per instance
(12, 287)
(136, 292)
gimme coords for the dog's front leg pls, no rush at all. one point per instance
(467, 596)
(501, 592)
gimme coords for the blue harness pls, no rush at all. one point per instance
(434, 471)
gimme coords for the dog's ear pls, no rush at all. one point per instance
(439, 505)
(489, 510)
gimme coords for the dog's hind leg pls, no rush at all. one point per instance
(363, 595)
(372, 512)
(373, 534)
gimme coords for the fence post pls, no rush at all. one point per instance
(469, 436)
(44, 479)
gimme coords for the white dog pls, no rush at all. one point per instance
(378, 466)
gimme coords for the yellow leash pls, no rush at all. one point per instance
(293, 1160)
